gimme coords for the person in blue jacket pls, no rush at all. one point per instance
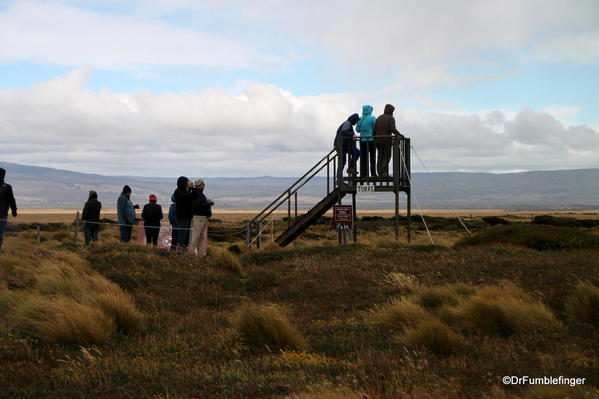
(365, 127)
(125, 214)
(345, 145)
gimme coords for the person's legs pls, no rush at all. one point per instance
(353, 158)
(183, 234)
(194, 237)
(126, 233)
(87, 233)
(364, 159)
(386, 159)
(95, 229)
(340, 164)
(202, 226)
(174, 237)
(379, 160)
(372, 155)
(2, 227)
(148, 232)
(153, 233)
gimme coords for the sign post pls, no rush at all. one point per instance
(343, 218)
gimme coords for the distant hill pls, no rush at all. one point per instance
(39, 187)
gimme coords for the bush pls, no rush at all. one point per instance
(326, 393)
(224, 259)
(494, 220)
(435, 336)
(400, 314)
(267, 326)
(62, 320)
(435, 297)
(536, 237)
(583, 305)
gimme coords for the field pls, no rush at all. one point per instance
(374, 319)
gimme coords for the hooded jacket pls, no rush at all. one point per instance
(184, 197)
(366, 123)
(200, 205)
(7, 198)
(385, 125)
(125, 210)
(345, 133)
(91, 210)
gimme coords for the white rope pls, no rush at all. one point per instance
(260, 232)
(416, 199)
(451, 209)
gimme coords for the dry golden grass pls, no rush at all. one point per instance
(558, 392)
(432, 298)
(400, 314)
(583, 304)
(222, 258)
(326, 393)
(405, 282)
(62, 320)
(433, 335)
(267, 326)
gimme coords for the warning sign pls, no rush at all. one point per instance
(343, 216)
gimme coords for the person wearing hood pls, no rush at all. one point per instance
(7, 201)
(202, 211)
(91, 217)
(125, 214)
(152, 215)
(184, 196)
(345, 145)
(172, 219)
(384, 126)
(365, 127)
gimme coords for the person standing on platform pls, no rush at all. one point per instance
(202, 211)
(152, 215)
(172, 219)
(365, 127)
(345, 145)
(184, 196)
(7, 201)
(91, 218)
(125, 214)
(384, 126)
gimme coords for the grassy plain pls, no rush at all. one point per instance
(376, 319)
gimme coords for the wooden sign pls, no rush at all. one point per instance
(343, 216)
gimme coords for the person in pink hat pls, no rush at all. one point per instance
(152, 215)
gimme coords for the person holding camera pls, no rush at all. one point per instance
(184, 195)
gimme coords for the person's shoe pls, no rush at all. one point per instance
(352, 172)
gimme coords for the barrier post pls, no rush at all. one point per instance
(37, 235)
(76, 229)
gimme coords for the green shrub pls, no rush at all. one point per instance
(583, 305)
(267, 326)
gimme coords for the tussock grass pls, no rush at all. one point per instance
(62, 320)
(432, 298)
(267, 326)
(506, 315)
(435, 336)
(583, 304)
(405, 282)
(386, 243)
(400, 314)
(326, 393)
(223, 259)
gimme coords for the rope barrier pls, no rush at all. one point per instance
(452, 210)
(430, 237)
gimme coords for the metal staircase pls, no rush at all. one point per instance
(399, 181)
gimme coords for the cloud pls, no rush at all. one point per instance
(261, 130)
(65, 35)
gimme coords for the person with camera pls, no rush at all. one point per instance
(7, 201)
(184, 195)
(202, 211)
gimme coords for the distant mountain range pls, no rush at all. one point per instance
(39, 187)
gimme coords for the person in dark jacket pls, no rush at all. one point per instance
(125, 214)
(202, 211)
(152, 215)
(345, 145)
(7, 201)
(367, 147)
(91, 217)
(172, 219)
(184, 196)
(384, 126)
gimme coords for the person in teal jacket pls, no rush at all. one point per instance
(365, 127)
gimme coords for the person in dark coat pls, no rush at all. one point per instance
(7, 201)
(152, 215)
(172, 219)
(91, 218)
(345, 145)
(125, 214)
(384, 126)
(184, 196)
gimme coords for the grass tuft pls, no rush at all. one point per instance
(326, 393)
(583, 304)
(400, 314)
(224, 259)
(267, 326)
(435, 336)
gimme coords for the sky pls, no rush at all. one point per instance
(238, 88)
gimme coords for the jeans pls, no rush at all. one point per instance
(353, 156)
(2, 227)
(152, 233)
(174, 236)
(183, 232)
(90, 231)
(125, 232)
(384, 156)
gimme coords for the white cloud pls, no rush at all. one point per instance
(261, 130)
(580, 48)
